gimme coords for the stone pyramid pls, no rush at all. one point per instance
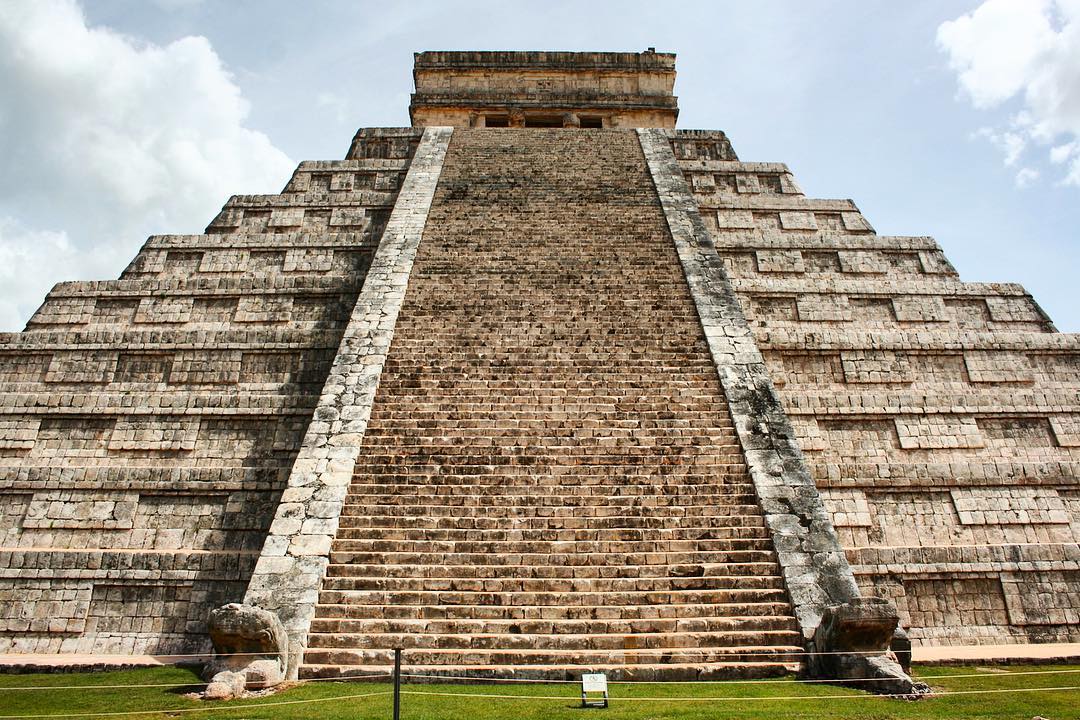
(540, 384)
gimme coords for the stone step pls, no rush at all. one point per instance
(445, 628)
(685, 503)
(509, 658)
(569, 559)
(529, 407)
(490, 606)
(652, 669)
(732, 484)
(378, 565)
(556, 586)
(516, 534)
(507, 642)
(742, 515)
(471, 469)
(421, 470)
(686, 378)
(454, 439)
(627, 386)
(551, 478)
(393, 548)
(593, 451)
(466, 494)
(661, 523)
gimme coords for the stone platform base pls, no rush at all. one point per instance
(46, 662)
(994, 654)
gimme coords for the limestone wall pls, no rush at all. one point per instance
(940, 418)
(148, 424)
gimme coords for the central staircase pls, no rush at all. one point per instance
(550, 482)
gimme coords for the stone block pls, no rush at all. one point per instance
(18, 433)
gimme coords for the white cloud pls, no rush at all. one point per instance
(21, 249)
(1026, 176)
(1011, 144)
(106, 139)
(1028, 50)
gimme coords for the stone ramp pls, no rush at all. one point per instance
(550, 481)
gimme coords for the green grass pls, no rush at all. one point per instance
(764, 700)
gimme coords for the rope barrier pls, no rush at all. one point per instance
(179, 685)
(729, 698)
(359, 696)
(737, 682)
(388, 675)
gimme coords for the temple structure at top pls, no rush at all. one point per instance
(544, 89)
(535, 386)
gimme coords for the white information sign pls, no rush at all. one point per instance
(594, 683)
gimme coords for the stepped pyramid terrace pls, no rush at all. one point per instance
(540, 385)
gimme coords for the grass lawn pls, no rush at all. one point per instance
(77, 693)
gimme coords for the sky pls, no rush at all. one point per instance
(125, 118)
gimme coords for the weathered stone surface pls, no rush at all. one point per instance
(149, 423)
(933, 414)
(225, 685)
(815, 571)
(544, 89)
(297, 549)
(853, 644)
(250, 650)
(550, 474)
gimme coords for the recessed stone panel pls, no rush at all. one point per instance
(930, 432)
(798, 221)
(81, 367)
(43, 606)
(875, 366)
(1010, 506)
(154, 433)
(824, 308)
(79, 509)
(780, 261)
(992, 366)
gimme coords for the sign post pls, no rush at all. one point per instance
(397, 684)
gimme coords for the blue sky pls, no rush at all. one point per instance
(128, 117)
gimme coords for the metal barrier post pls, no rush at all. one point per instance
(397, 684)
